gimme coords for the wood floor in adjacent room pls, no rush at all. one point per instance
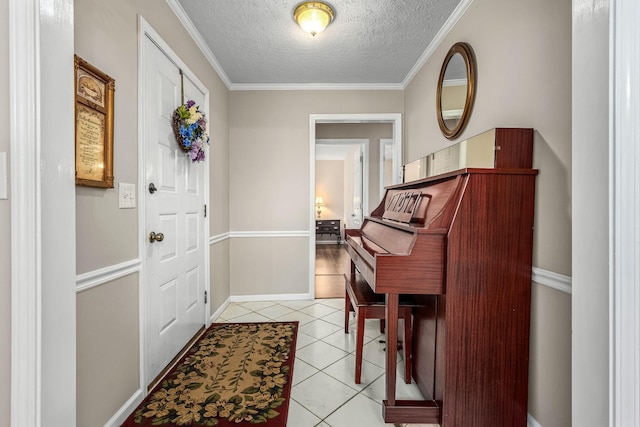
(332, 261)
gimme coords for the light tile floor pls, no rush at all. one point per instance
(324, 393)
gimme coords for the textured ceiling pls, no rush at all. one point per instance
(375, 42)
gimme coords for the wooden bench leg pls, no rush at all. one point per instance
(407, 344)
(347, 311)
(359, 343)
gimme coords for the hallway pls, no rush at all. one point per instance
(332, 261)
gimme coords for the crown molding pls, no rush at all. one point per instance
(454, 82)
(437, 40)
(195, 35)
(316, 86)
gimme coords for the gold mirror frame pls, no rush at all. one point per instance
(464, 50)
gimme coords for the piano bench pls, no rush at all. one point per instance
(368, 305)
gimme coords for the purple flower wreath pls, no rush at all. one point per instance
(190, 128)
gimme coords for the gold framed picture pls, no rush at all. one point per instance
(94, 92)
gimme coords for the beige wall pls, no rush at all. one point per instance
(270, 175)
(374, 132)
(5, 228)
(219, 287)
(453, 97)
(107, 314)
(106, 35)
(269, 266)
(523, 52)
(330, 186)
(550, 357)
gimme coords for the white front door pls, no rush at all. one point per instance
(174, 264)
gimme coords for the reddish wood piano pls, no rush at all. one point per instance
(461, 243)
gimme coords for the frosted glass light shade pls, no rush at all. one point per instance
(313, 17)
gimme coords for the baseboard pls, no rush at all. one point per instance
(531, 422)
(271, 297)
(126, 409)
(220, 309)
(329, 242)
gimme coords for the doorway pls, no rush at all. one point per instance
(352, 218)
(341, 196)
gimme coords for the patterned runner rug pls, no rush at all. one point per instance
(236, 374)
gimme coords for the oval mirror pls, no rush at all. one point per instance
(456, 90)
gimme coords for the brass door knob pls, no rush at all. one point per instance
(155, 237)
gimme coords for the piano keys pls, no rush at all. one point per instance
(461, 244)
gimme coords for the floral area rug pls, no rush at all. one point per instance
(236, 374)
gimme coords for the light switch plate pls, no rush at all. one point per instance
(126, 196)
(3, 176)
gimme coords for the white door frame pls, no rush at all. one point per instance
(394, 118)
(145, 30)
(42, 197)
(624, 215)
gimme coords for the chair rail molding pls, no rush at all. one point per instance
(550, 279)
(107, 274)
(284, 233)
(219, 238)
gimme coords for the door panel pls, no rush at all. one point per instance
(356, 201)
(174, 265)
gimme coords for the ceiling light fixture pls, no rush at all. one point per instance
(313, 16)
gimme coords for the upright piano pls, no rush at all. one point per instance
(461, 243)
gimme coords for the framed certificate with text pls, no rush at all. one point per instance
(93, 125)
